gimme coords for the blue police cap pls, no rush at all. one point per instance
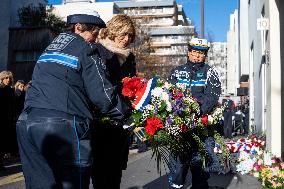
(87, 18)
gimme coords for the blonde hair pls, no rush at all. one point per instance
(119, 25)
(5, 74)
(19, 82)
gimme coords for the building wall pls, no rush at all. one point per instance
(4, 33)
(217, 57)
(14, 7)
(265, 73)
(255, 42)
(233, 55)
(274, 109)
(244, 44)
(9, 18)
(280, 5)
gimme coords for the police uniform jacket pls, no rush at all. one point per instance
(71, 77)
(203, 82)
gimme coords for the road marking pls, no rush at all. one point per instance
(12, 178)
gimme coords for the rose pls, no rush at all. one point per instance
(204, 119)
(184, 128)
(177, 94)
(152, 125)
(131, 86)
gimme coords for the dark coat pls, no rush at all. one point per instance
(203, 82)
(8, 130)
(111, 142)
(19, 102)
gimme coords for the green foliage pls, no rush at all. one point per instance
(219, 140)
(40, 16)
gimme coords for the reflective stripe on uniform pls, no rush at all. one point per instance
(193, 82)
(59, 58)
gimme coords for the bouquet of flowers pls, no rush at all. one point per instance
(256, 161)
(170, 115)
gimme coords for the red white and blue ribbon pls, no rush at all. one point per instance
(144, 95)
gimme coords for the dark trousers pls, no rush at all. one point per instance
(180, 168)
(228, 126)
(110, 145)
(246, 124)
(55, 151)
(199, 177)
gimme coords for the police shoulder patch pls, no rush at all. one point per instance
(60, 42)
(200, 74)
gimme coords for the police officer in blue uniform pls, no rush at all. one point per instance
(205, 86)
(68, 82)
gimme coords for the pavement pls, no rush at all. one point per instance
(141, 173)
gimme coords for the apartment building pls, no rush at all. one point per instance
(233, 54)
(168, 27)
(9, 19)
(217, 58)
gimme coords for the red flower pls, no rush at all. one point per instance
(204, 119)
(153, 124)
(130, 86)
(177, 94)
(184, 128)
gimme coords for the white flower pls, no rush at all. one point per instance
(167, 85)
(244, 156)
(165, 96)
(172, 129)
(149, 107)
(256, 174)
(210, 119)
(245, 166)
(182, 86)
(169, 106)
(267, 159)
(156, 92)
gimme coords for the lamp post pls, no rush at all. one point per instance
(202, 17)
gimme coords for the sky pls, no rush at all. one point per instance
(216, 15)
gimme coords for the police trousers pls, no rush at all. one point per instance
(199, 177)
(55, 151)
(199, 174)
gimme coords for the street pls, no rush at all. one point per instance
(141, 173)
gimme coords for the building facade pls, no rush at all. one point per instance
(164, 22)
(168, 28)
(265, 57)
(217, 57)
(9, 18)
(233, 55)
